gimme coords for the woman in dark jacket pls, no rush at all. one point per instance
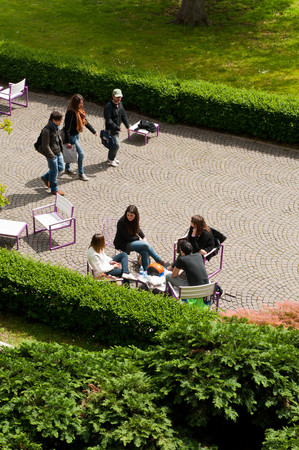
(200, 235)
(130, 238)
(74, 122)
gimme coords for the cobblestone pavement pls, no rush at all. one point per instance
(246, 189)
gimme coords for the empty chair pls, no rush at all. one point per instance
(186, 293)
(14, 91)
(60, 217)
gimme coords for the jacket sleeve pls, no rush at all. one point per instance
(45, 147)
(90, 127)
(141, 234)
(68, 120)
(110, 125)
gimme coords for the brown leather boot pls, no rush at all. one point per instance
(58, 192)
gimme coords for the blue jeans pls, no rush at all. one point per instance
(75, 140)
(123, 259)
(112, 153)
(56, 166)
(145, 250)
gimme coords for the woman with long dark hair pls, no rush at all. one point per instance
(200, 235)
(102, 264)
(74, 123)
(130, 238)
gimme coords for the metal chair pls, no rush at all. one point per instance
(89, 269)
(54, 220)
(14, 91)
(186, 293)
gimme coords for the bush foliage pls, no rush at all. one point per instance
(69, 300)
(236, 378)
(195, 102)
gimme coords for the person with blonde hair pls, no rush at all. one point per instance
(74, 123)
(103, 265)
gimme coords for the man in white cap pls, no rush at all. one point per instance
(115, 115)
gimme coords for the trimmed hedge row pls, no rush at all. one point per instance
(66, 299)
(198, 103)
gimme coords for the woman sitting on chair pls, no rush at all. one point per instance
(200, 235)
(130, 238)
(103, 265)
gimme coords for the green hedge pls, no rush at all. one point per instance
(200, 103)
(232, 385)
(66, 299)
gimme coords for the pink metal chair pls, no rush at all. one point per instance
(14, 91)
(89, 269)
(185, 293)
(54, 220)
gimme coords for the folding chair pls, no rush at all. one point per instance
(90, 269)
(186, 293)
(54, 220)
(14, 91)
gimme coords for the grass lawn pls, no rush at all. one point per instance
(249, 44)
(16, 329)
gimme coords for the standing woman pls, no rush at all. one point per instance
(74, 122)
(130, 238)
(102, 264)
(200, 235)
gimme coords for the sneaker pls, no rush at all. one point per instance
(112, 163)
(58, 192)
(83, 177)
(46, 182)
(117, 161)
(128, 276)
(70, 172)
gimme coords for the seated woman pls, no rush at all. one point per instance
(102, 264)
(130, 238)
(200, 235)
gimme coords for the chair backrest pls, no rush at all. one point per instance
(64, 205)
(197, 291)
(109, 227)
(89, 269)
(16, 88)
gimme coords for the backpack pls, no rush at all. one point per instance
(39, 139)
(107, 140)
(146, 125)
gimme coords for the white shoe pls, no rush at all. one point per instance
(128, 276)
(117, 161)
(83, 177)
(112, 163)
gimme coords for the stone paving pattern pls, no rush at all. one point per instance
(245, 188)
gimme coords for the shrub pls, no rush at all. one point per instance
(284, 313)
(232, 376)
(64, 298)
(80, 400)
(200, 103)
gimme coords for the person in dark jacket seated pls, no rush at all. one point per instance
(193, 266)
(200, 235)
(130, 238)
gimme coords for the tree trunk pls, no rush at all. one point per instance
(192, 12)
